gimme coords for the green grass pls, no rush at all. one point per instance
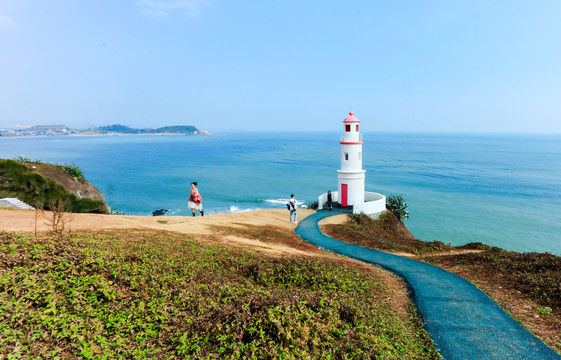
(139, 294)
(536, 275)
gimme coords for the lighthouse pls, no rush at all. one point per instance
(351, 175)
(350, 191)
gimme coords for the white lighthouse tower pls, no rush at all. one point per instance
(350, 190)
(351, 175)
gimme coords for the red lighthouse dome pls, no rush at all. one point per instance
(351, 118)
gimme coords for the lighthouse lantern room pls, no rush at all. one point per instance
(351, 175)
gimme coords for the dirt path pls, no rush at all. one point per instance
(24, 221)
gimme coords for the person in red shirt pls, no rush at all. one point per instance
(195, 200)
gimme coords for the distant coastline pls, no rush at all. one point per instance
(110, 130)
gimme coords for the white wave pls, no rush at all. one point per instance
(235, 209)
(282, 201)
(276, 201)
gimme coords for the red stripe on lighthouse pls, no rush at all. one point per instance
(350, 142)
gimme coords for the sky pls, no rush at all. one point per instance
(283, 65)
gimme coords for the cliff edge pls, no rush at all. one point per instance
(44, 185)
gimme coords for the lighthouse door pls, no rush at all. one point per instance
(344, 195)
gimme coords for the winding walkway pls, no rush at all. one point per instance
(463, 321)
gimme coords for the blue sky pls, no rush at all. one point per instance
(283, 65)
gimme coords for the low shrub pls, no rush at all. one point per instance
(71, 169)
(139, 294)
(397, 204)
(537, 275)
(312, 205)
(384, 233)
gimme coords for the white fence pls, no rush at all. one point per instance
(374, 203)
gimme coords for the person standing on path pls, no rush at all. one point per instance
(329, 200)
(195, 200)
(292, 206)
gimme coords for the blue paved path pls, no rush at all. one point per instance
(463, 321)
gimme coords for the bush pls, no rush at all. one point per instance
(397, 205)
(71, 169)
(360, 219)
(312, 205)
(22, 158)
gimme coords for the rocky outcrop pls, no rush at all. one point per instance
(46, 185)
(77, 185)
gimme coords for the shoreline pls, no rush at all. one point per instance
(91, 135)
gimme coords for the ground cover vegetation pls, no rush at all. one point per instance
(152, 294)
(385, 233)
(18, 180)
(527, 285)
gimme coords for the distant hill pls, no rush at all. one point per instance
(116, 129)
(122, 129)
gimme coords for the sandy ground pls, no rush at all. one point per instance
(335, 220)
(24, 221)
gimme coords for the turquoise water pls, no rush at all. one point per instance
(502, 190)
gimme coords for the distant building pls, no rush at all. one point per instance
(49, 129)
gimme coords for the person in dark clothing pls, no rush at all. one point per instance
(293, 206)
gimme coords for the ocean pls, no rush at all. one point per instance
(501, 190)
